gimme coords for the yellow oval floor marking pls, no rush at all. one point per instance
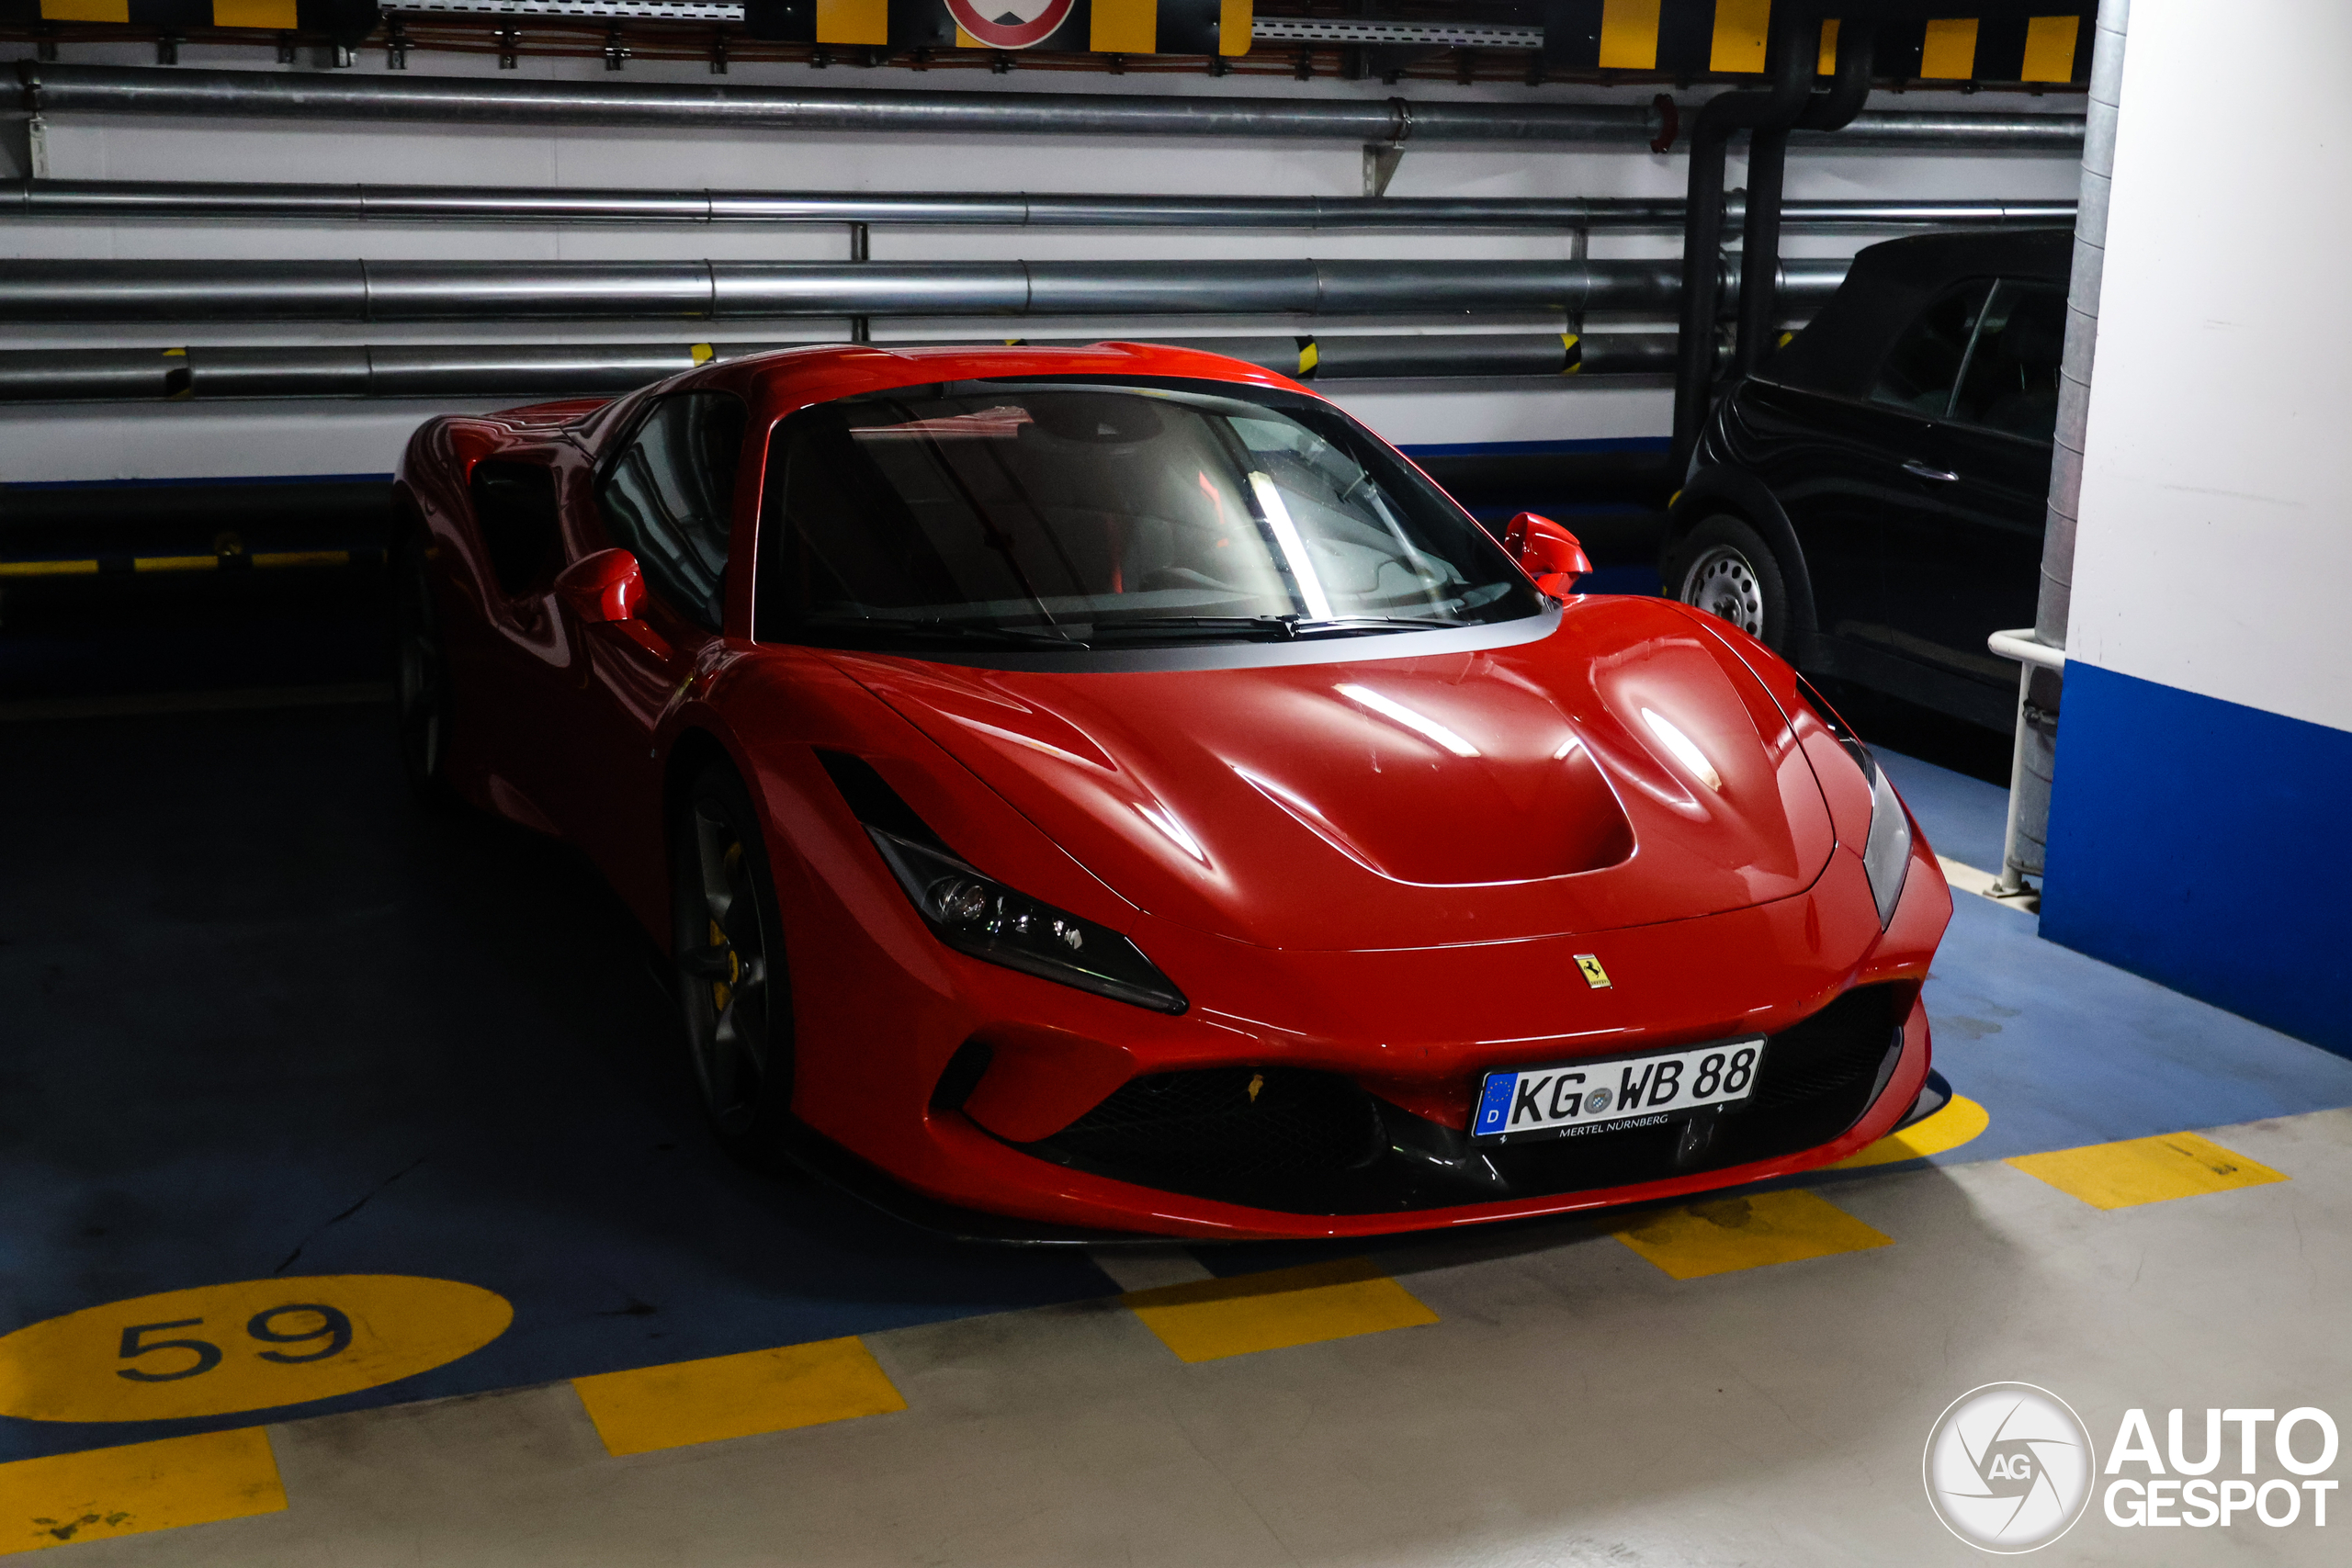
(255, 1344)
(1958, 1121)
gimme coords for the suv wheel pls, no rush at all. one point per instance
(1724, 568)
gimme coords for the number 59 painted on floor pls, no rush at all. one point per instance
(334, 1328)
(256, 1344)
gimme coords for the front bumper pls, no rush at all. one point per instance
(1839, 998)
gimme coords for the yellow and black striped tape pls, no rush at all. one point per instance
(1672, 38)
(1726, 38)
(260, 560)
(278, 14)
(1099, 27)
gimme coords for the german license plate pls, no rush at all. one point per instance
(1619, 1092)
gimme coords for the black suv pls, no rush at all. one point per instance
(1870, 503)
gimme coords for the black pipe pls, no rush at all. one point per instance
(1794, 52)
(1759, 250)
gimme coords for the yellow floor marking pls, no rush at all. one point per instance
(142, 1487)
(736, 1396)
(1726, 1233)
(1205, 1319)
(1960, 1120)
(2145, 1170)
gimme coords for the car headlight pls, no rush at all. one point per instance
(1886, 853)
(978, 915)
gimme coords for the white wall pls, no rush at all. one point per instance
(202, 440)
(2215, 545)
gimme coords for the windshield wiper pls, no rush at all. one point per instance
(1279, 628)
(956, 631)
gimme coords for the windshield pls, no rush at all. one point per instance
(1043, 515)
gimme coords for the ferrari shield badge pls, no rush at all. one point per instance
(1594, 975)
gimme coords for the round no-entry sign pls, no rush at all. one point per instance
(1009, 24)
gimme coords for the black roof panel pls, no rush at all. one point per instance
(1890, 283)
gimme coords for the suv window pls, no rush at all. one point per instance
(669, 499)
(2011, 382)
(1920, 370)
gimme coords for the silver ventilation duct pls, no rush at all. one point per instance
(149, 201)
(473, 370)
(55, 89)
(80, 289)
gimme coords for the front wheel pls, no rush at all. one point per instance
(1724, 568)
(421, 689)
(734, 994)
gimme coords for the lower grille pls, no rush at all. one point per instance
(1315, 1143)
(1239, 1133)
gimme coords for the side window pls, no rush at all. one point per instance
(669, 499)
(2011, 383)
(514, 509)
(1919, 371)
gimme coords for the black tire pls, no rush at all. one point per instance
(733, 988)
(1724, 568)
(421, 693)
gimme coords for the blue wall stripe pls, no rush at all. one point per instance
(2206, 845)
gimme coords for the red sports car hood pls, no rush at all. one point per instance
(1624, 770)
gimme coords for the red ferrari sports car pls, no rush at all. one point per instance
(1110, 791)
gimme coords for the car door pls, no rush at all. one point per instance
(1969, 563)
(666, 493)
(1847, 469)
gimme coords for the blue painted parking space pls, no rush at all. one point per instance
(273, 1023)
(280, 1026)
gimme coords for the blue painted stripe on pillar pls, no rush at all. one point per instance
(2206, 845)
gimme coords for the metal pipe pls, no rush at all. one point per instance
(1793, 49)
(79, 289)
(410, 370)
(2034, 763)
(55, 89)
(1767, 157)
(153, 201)
(1908, 129)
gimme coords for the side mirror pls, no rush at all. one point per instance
(606, 586)
(1546, 552)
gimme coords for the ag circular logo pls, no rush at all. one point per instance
(2009, 1467)
(1009, 24)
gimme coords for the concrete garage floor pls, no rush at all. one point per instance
(263, 1023)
